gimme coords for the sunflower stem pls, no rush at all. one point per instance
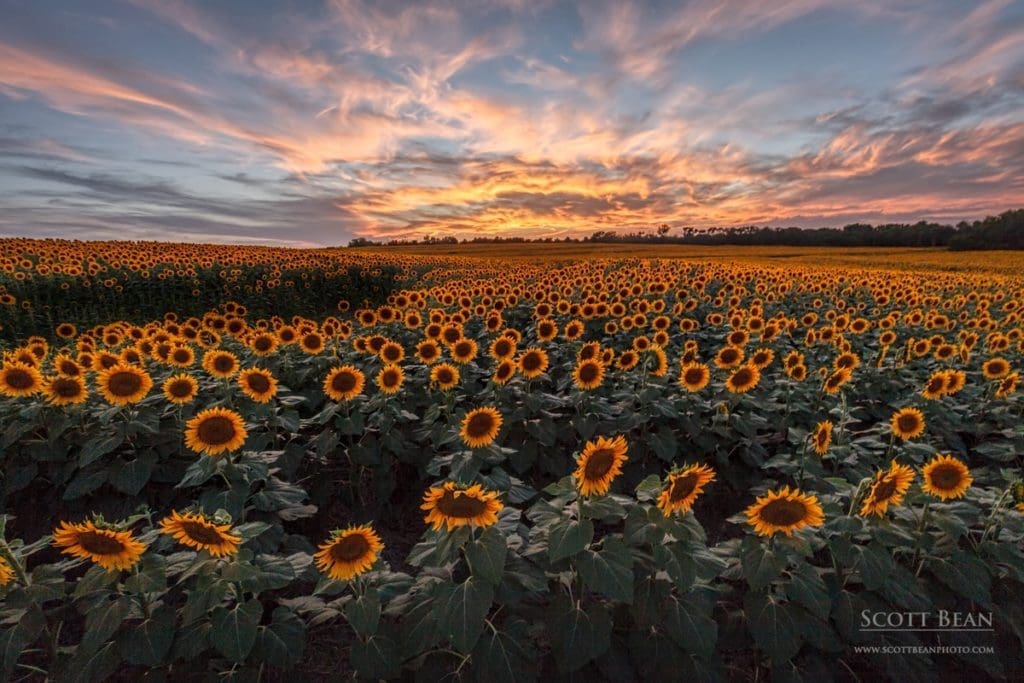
(920, 535)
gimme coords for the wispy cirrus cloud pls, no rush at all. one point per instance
(349, 117)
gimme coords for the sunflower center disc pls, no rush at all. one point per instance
(945, 477)
(258, 383)
(99, 544)
(201, 533)
(598, 464)
(682, 487)
(884, 490)
(19, 379)
(216, 430)
(350, 548)
(461, 506)
(343, 381)
(783, 512)
(124, 383)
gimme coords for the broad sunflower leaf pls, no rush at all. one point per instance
(568, 537)
(486, 555)
(608, 571)
(461, 609)
(234, 630)
(147, 644)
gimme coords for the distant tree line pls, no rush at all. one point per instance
(1005, 231)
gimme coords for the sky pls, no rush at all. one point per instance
(311, 123)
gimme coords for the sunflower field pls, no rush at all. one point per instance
(506, 469)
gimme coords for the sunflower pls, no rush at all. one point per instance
(180, 388)
(198, 531)
(263, 344)
(1008, 385)
(504, 372)
(588, 374)
(122, 384)
(546, 330)
(835, 380)
(65, 366)
(390, 379)
(214, 431)
(533, 362)
(349, 552)
(946, 477)
(743, 380)
(694, 376)
(784, 510)
(628, 360)
(907, 423)
(221, 364)
(181, 356)
(107, 547)
(762, 358)
(955, 381)
(464, 350)
(6, 572)
(683, 487)
(312, 343)
(847, 361)
(798, 372)
(995, 368)
(344, 383)
(660, 368)
(428, 351)
(888, 489)
(502, 348)
(822, 437)
(258, 384)
(729, 357)
(453, 505)
(391, 352)
(65, 391)
(480, 426)
(445, 375)
(20, 379)
(599, 463)
(935, 387)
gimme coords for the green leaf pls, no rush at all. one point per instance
(577, 634)
(504, 656)
(568, 537)
(376, 659)
(486, 555)
(234, 630)
(86, 666)
(460, 611)
(677, 561)
(102, 620)
(283, 641)
(96, 447)
(147, 644)
(807, 588)
(14, 640)
(772, 626)
(199, 472)
(690, 626)
(761, 566)
(608, 571)
(875, 565)
(966, 574)
(84, 483)
(131, 477)
(649, 489)
(363, 613)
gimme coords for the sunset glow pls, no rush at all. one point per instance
(310, 123)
